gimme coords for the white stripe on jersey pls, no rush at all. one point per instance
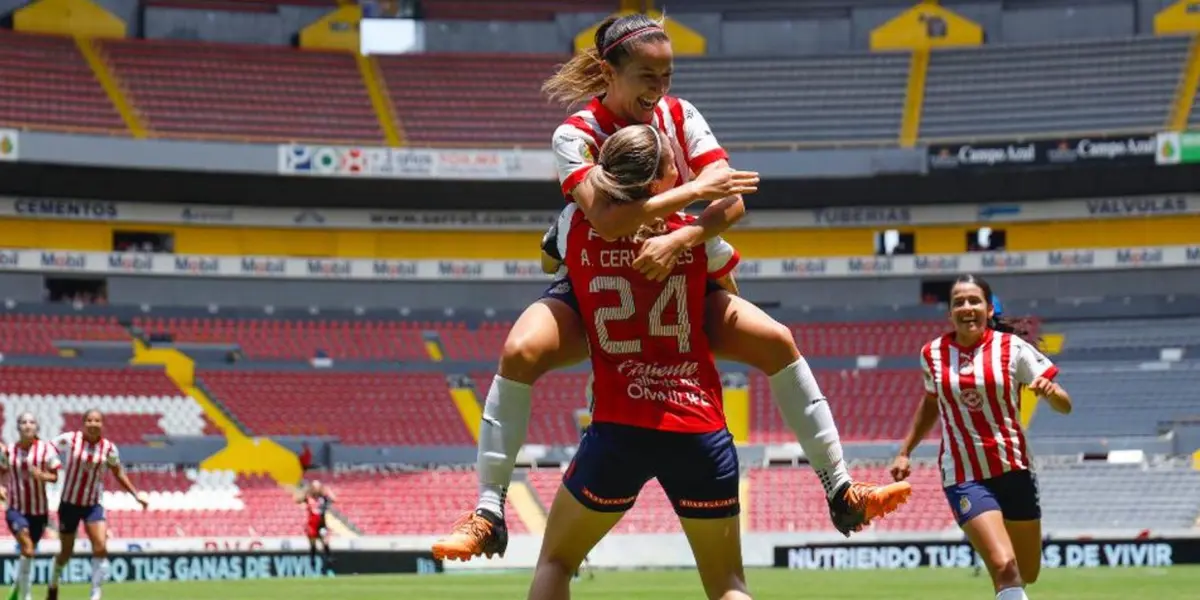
(979, 396)
(85, 465)
(26, 494)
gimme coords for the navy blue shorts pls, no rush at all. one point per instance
(698, 471)
(69, 516)
(564, 292)
(1014, 494)
(19, 521)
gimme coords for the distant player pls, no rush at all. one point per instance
(87, 455)
(973, 379)
(29, 464)
(316, 499)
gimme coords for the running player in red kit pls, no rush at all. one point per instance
(621, 82)
(87, 455)
(657, 410)
(317, 498)
(30, 463)
(973, 379)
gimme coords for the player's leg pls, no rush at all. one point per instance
(572, 530)
(69, 517)
(978, 513)
(18, 525)
(548, 335)
(1023, 520)
(700, 475)
(602, 482)
(740, 331)
(96, 527)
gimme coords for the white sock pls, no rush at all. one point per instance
(501, 435)
(55, 574)
(1012, 594)
(807, 414)
(99, 574)
(24, 576)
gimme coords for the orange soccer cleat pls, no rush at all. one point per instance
(856, 504)
(475, 534)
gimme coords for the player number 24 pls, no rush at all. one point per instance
(675, 290)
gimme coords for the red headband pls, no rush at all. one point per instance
(628, 36)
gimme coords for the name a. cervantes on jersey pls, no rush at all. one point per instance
(623, 258)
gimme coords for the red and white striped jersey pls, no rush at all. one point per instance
(577, 141)
(26, 494)
(979, 396)
(85, 467)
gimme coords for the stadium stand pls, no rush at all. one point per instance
(45, 83)
(1090, 86)
(1123, 399)
(516, 10)
(851, 98)
(1137, 496)
(556, 397)
(35, 334)
(412, 409)
(472, 99)
(225, 91)
(431, 500)
(298, 339)
(874, 404)
(1129, 333)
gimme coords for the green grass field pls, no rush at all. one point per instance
(1178, 583)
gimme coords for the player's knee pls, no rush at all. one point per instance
(778, 347)
(558, 567)
(1006, 572)
(523, 357)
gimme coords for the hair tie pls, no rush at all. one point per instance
(636, 32)
(997, 308)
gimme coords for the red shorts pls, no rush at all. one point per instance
(316, 524)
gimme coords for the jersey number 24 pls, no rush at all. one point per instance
(675, 291)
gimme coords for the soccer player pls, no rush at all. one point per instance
(87, 455)
(30, 464)
(973, 379)
(317, 498)
(626, 77)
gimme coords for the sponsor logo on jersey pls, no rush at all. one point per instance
(130, 263)
(1078, 258)
(64, 260)
(971, 398)
(1139, 256)
(197, 264)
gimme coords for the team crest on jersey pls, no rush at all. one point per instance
(971, 398)
(586, 152)
(964, 505)
(966, 364)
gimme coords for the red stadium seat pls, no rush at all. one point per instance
(280, 339)
(46, 83)
(35, 334)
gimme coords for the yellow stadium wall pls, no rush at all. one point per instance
(753, 243)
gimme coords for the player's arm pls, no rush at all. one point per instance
(53, 464)
(1037, 372)
(118, 471)
(573, 158)
(329, 495)
(923, 420)
(551, 257)
(723, 260)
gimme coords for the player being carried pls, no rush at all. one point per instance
(29, 463)
(317, 498)
(87, 454)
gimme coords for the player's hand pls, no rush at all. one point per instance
(901, 468)
(1044, 387)
(142, 499)
(716, 183)
(38, 474)
(658, 256)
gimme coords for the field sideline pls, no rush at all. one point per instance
(1176, 583)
